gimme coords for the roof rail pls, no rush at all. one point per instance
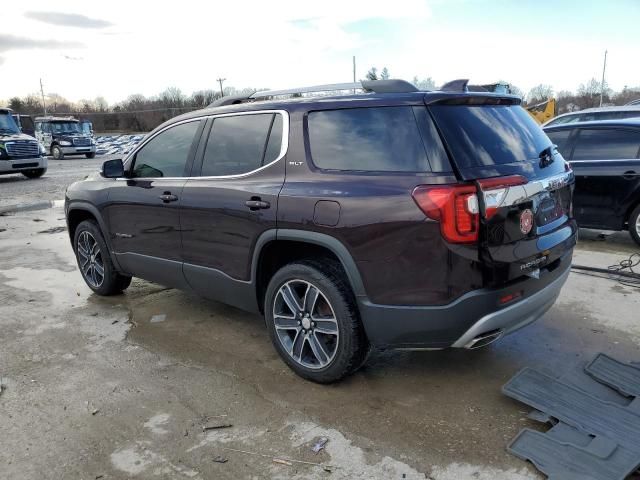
(459, 85)
(230, 100)
(376, 86)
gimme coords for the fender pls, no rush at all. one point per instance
(316, 238)
(88, 207)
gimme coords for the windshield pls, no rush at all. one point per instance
(489, 135)
(65, 127)
(8, 124)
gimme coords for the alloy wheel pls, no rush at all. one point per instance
(90, 259)
(305, 324)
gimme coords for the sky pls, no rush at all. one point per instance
(85, 49)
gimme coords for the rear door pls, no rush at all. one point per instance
(231, 199)
(607, 173)
(523, 183)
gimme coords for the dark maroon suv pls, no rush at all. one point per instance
(393, 218)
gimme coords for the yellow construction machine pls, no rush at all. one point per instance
(543, 111)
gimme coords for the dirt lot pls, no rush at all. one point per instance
(122, 387)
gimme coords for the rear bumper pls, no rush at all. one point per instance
(21, 164)
(457, 324)
(514, 317)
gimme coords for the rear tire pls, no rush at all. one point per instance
(90, 155)
(323, 341)
(94, 261)
(634, 224)
(56, 152)
(35, 173)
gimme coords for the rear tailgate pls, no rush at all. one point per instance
(524, 185)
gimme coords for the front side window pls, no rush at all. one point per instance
(166, 154)
(243, 143)
(607, 144)
(382, 139)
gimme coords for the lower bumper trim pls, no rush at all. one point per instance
(516, 316)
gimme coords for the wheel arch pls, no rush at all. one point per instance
(77, 212)
(275, 248)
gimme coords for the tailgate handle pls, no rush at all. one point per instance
(629, 175)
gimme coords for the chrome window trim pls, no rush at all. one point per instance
(284, 146)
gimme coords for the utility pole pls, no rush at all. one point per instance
(604, 67)
(354, 73)
(220, 80)
(44, 104)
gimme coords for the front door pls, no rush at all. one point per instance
(143, 209)
(231, 199)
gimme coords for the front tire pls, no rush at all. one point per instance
(634, 224)
(94, 261)
(90, 155)
(313, 321)
(57, 152)
(35, 173)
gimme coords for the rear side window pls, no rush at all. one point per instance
(384, 139)
(606, 144)
(561, 139)
(481, 135)
(241, 144)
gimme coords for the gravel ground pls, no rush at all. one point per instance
(94, 388)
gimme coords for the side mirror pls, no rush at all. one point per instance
(113, 168)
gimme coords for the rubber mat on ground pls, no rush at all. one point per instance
(596, 429)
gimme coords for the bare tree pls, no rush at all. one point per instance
(589, 94)
(425, 84)
(540, 93)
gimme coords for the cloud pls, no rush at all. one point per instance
(68, 19)
(14, 42)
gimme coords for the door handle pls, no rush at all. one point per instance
(257, 204)
(629, 175)
(167, 197)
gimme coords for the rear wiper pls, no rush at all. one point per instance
(546, 156)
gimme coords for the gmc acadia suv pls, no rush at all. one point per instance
(394, 218)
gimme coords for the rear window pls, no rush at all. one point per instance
(488, 135)
(606, 144)
(383, 139)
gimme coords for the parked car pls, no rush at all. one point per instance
(19, 153)
(396, 218)
(599, 113)
(65, 136)
(604, 157)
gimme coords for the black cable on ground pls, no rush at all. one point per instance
(623, 272)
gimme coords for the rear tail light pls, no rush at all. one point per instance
(495, 190)
(454, 206)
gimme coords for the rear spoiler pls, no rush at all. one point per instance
(470, 98)
(459, 92)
